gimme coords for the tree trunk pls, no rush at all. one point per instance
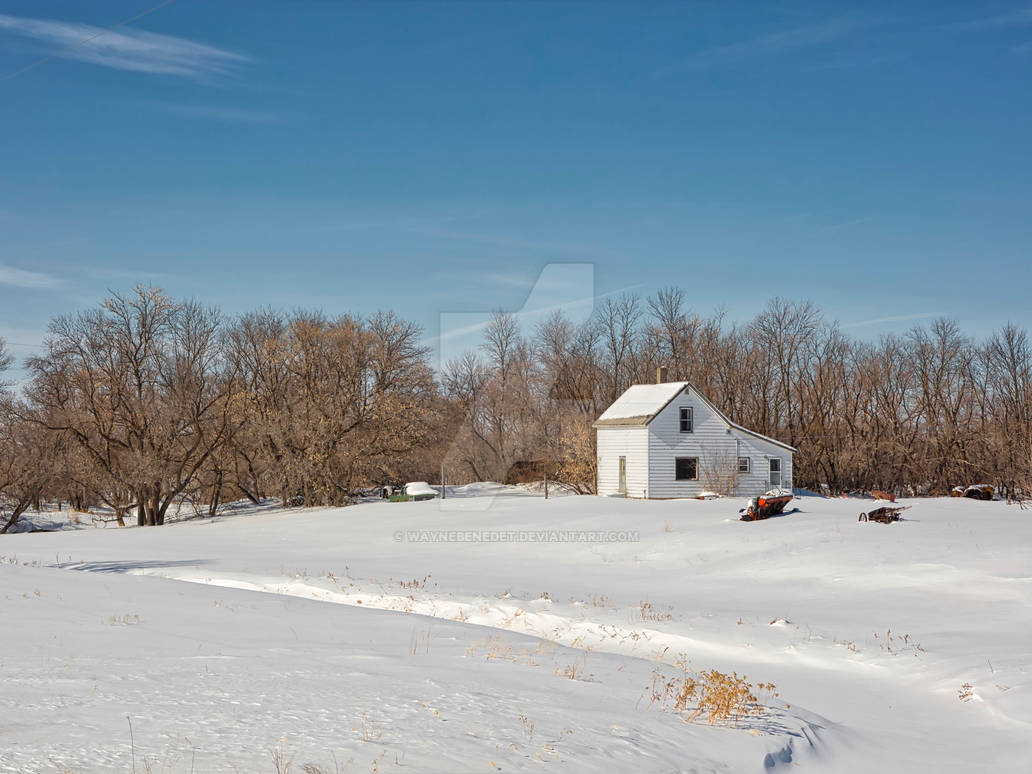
(157, 512)
(147, 508)
(216, 493)
(19, 509)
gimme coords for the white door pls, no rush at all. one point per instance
(623, 476)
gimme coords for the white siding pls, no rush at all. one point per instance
(708, 441)
(651, 452)
(757, 481)
(629, 442)
(718, 448)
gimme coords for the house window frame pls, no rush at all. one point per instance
(682, 418)
(748, 465)
(770, 472)
(677, 460)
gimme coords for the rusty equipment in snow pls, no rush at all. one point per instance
(884, 515)
(975, 492)
(765, 506)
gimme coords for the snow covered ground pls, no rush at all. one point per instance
(496, 630)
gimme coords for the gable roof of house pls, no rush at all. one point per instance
(641, 403)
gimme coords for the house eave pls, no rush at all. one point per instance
(623, 422)
(646, 419)
(768, 439)
(735, 426)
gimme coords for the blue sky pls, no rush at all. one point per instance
(435, 157)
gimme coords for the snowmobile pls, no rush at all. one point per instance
(765, 506)
(884, 515)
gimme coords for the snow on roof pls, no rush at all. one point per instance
(640, 403)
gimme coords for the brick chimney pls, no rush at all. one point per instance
(661, 374)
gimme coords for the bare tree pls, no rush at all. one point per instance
(1009, 376)
(137, 385)
(26, 456)
(329, 405)
(618, 320)
(781, 332)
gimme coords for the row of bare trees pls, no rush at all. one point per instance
(146, 402)
(919, 412)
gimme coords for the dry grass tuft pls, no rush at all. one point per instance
(123, 620)
(719, 697)
(495, 649)
(650, 613)
(575, 672)
(415, 584)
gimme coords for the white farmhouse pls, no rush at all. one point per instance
(667, 440)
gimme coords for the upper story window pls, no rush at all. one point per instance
(686, 419)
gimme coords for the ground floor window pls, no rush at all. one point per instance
(775, 471)
(686, 468)
(744, 465)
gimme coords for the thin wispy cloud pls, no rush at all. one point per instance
(857, 63)
(134, 275)
(842, 225)
(124, 49)
(522, 314)
(406, 223)
(508, 280)
(16, 336)
(32, 280)
(893, 318)
(220, 113)
(773, 44)
(509, 242)
(1021, 17)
